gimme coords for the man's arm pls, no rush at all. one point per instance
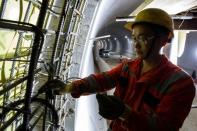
(97, 82)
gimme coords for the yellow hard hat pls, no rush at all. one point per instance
(153, 16)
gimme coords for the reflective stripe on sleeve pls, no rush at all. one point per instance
(165, 85)
(92, 84)
(109, 81)
(153, 123)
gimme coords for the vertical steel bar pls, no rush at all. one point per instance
(57, 38)
(2, 9)
(26, 20)
(75, 26)
(67, 29)
(48, 14)
(63, 43)
(45, 111)
(34, 57)
(45, 26)
(54, 52)
(30, 80)
(18, 46)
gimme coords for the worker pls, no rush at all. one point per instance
(151, 93)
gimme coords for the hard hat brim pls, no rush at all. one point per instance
(128, 26)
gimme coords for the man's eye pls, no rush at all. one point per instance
(142, 38)
(133, 38)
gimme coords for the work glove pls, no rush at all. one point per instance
(57, 87)
(110, 107)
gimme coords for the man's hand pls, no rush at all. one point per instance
(57, 87)
(110, 107)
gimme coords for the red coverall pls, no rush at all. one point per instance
(160, 99)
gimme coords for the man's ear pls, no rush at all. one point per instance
(170, 37)
(163, 40)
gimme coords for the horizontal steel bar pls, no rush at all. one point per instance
(6, 25)
(11, 59)
(194, 106)
(36, 121)
(21, 56)
(51, 32)
(11, 109)
(38, 4)
(14, 117)
(9, 87)
(56, 59)
(7, 123)
(15, 25)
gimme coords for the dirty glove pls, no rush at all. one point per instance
(110, 107)
(58, 87)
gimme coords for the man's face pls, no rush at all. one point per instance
(143, 38)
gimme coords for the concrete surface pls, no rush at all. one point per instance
(190, 123)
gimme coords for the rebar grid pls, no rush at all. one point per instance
(25, 62)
